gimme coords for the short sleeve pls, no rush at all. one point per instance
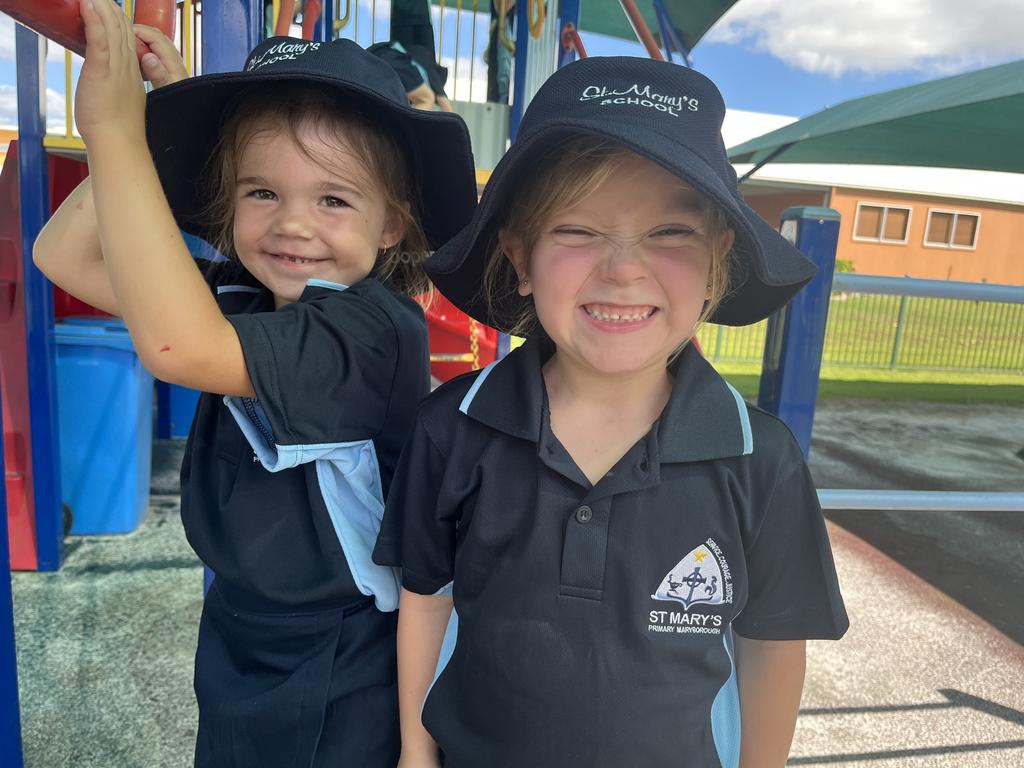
(323, 370)
(418, 530)
(793, 588)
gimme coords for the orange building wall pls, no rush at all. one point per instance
(997, 258)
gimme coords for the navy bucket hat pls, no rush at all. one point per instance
(670, 114)
(184, 122)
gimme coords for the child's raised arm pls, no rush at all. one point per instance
(178, 329)
(770, 675)
(68, 249)
(422, 620)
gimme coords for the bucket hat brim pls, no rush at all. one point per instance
(766, 269)
(184, 122)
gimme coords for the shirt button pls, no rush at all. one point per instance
(583, 514)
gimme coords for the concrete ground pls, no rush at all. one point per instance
(105, 645)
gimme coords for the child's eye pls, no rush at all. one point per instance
(261, 194)
(672, 237)
(334, 202)
(572, 235)
(674, 232)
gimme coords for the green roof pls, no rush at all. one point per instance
(974, 120)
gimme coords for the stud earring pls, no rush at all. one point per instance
(524, 282)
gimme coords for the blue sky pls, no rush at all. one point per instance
(776, 56)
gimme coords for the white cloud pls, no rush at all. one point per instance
(6, 38)
(55, 111)
(8, 106)
(876, 37)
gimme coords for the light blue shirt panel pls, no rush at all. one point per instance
(451, 635)
(349, 478)
(725, 713)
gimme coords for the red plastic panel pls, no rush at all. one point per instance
(449, 334)
(14, 375)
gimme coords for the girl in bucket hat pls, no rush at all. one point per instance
(324, 188)
(635, 556)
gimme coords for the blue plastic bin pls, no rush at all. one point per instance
(105, 416)
(175, 409)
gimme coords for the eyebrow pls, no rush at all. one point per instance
(690, 200)
(326, 187)
(331, 186)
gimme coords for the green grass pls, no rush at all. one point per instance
(880, 384)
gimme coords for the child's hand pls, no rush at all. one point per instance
(161, 64)
(110, 98)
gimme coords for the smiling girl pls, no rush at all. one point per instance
(309, 170)
(635, 557)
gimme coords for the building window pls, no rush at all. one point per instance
(881, 223)
(952, 229)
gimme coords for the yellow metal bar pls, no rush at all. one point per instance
(63, 142)
(472, 49)
(186, 35)
(275, 11)
(453, 357)
(339, 20)
(129, 8)
(69, 117)
(458, 29)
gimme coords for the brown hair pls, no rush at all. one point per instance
(573, 170)
(345, 128)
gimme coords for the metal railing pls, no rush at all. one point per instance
(903, 323)
(460, 29)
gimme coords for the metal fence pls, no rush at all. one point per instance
(871, 325)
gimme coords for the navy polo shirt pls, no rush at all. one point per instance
(282, 494)
(593, 623)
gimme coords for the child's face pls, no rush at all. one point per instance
(297, 219)
(619, 280)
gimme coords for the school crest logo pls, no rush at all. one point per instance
(700, 577)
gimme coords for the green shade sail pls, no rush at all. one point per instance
(692, 18)
(974, 120)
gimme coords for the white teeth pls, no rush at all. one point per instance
(618, 317)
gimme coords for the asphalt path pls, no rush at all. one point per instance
(975, 558)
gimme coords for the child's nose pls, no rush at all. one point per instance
(625, 263)
(293, 220)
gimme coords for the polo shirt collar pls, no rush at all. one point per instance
(508, 395)
(705, 418)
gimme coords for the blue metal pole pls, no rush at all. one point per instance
(568, 13)
(33, 191)
(231, 28)
(328, 19)
(10, 717)
(522, 49)
(796, 335)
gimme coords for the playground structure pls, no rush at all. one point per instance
(215, 36)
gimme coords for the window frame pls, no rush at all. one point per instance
(952, 230)
(881, 239)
